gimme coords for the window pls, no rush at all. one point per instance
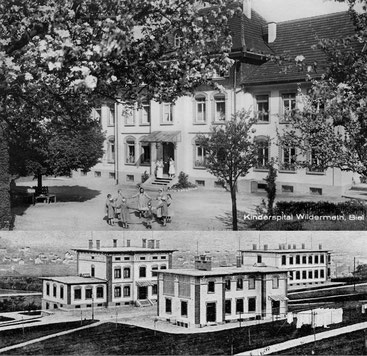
(227, 284)
(251, 283)
(128, 114)
(252, 305)
(145, 113)
(228, 306)
(284, 260)
(262, 153)
(127, 272)
(309, 274)
(310, 259)
(168, 305)
(77, 293)
(291, 275)
(117, 292)
(288, 106)
(262, 107)
(315, 163)
(239, 283)
(92, 271)
(163, 267)
(304, 274)
(239, 306)
(47, 289)
(298, 259)
(219, 108)
(168, 284)
(259, 259)
(154, 289)
(167, 113)
(304, 260)
(200, 156)
(127, 291)
(99, 292)
(298, 275)
(322, 258)
(117, 272)
(88, 293)
(142, 272)
(288, 159)
(291, 260)
(322, 273)
(211, 287)
(145, 153)
(54, 292)
(183, 308)
(275, 282)
(111, 149)
(61, 292)
(177, 39)
(154, 271)
(130, 151)
(184, 286)
(200, 108)
(316, 259)
(316, 273)
(111, 115)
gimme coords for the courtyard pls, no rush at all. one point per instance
(80, 205)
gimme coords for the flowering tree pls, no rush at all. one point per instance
(73, 52)
(330, 127)
(231, 153)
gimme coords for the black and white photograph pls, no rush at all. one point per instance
(183, 177)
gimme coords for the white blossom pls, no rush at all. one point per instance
(28, 76)
(299, 58)
(90, 81)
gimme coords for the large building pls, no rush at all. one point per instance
(137, 138)
(206, 296)
(306, 266)
(109, 276)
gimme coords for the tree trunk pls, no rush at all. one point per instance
(234, 207)
(5, 211)
(39, 180)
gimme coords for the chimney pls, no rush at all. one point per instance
(294, 247)
(127, 243)
(265, 247)
(90, 245)
(203, 263)
(246, 8)
(303, 246)
(320, 246)
(280, 247)
(144, 243)
(114, 242)
(150, 243)
(289, 246)
(98, 244)
(157, 244)
(272, 32)
(254, 247)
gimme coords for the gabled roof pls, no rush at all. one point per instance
(296, 38)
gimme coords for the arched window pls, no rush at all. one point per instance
(130, 150)
(288, 158)
(145, 113)
(219, 108)
(117, 272)
(145, 152)
(262, 143)
(200, 108)
(163, 267)
(54, 292)
(92, 270)
(47, 288)
(111, 149)
(117, 292)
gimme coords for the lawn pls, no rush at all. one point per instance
(123, 339)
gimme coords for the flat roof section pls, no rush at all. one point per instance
(75, 280)
(119, 250)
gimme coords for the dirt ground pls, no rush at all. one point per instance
(80, 206)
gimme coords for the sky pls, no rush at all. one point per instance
(282, 10)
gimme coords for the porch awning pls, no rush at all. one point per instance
(280, 298)
(146, 283)
(163, 136)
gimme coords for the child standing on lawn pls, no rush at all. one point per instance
(149, 216)
(110, 209)
(124, 213)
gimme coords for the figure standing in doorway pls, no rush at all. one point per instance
(171, 170)
(159, 168)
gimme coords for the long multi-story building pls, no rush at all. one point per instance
(109, 276)
(135, 139)
(206, 296)
(305, 266)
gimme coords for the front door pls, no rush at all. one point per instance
(168, 151)
(211, 312)
(275, 307)
(142, 292)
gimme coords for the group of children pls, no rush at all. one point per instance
(117, 207)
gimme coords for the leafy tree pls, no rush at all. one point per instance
(62, 55)
(330, 128)
(231, 153)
